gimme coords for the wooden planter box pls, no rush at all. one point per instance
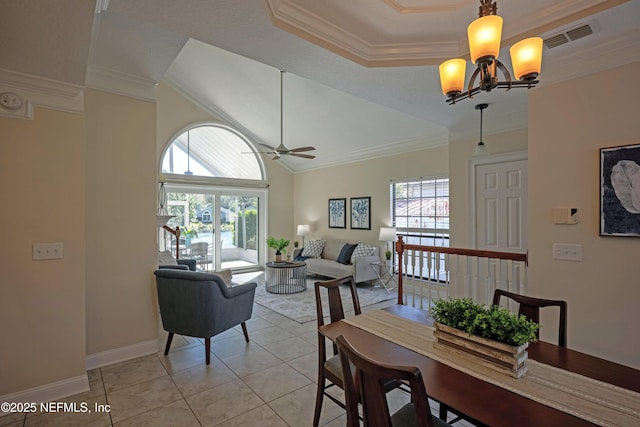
(496, 355)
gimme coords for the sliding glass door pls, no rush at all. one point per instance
(239, 231)
(220, 228)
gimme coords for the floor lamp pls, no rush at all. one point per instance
(176, 233)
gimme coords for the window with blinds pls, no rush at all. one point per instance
(420, 210)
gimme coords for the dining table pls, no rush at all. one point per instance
(483, 401)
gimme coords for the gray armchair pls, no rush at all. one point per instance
(182, 264)
(201, 305)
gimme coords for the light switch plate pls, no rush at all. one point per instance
(567, 251)
(47, 251)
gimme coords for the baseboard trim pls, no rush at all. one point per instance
(50, 392)
(70, 386)
(121, 354)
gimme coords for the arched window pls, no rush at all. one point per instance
(216, 191)
(212, 150)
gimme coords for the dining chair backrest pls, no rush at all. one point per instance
(367, 387)
(329, 367)
(530, 308)
(336, 309)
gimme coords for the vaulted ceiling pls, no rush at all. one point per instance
(361, 79)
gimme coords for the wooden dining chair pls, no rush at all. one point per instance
(530, 308)
(329, 368)
(364, 383)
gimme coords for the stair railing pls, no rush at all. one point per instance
(428, 273)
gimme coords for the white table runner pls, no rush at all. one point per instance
(592, 400)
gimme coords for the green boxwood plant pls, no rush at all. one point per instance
(278, 244)
(495, 322)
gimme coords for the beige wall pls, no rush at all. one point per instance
(313, 189)
(568, 124)
(42, 303)
(121, 225)
(175, 113)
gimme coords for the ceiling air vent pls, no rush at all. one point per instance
(569, 35)
(580, 32)
(557, 40)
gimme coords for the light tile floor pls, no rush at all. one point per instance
(270, 381)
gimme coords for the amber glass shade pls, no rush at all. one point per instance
(526, 58)
(484, 37)
(452, 73)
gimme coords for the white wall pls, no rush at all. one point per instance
(568, 124)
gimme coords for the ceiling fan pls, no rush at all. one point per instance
(281, 150)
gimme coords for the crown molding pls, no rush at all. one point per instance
(392, 149)
(593, 58)
(289, 16)
(297, 20)
(120, 83)
(427, 6)
(41, 92)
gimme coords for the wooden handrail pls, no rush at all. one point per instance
(401, 247)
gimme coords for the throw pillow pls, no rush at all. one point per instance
(166, 258)
(345, 253)
(313, 248)
(362, 250)
(225, 275)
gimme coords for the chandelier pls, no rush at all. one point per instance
(484, 46)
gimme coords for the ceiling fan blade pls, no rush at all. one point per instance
(257, 152)
(297, 150)
(305, 156)
(267, 146)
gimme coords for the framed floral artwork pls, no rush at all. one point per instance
(620, 191)
(361, 213)
(337, 213)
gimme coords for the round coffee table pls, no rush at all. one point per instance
(285, 277)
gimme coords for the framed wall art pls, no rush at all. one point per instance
(361, 213)
(338, 213)
(620, 191)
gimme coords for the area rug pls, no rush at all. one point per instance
(301, 307)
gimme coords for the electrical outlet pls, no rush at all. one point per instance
(567, 252)
(47, 251)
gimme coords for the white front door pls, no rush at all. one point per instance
(499, 205)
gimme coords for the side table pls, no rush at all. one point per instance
(285, 277)
(384, 274)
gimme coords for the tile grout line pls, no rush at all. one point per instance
(106, 396)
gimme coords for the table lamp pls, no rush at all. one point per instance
(303, 230)
(387, 234)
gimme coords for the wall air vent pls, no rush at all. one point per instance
(567, 36)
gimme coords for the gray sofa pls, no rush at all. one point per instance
(327, 265)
